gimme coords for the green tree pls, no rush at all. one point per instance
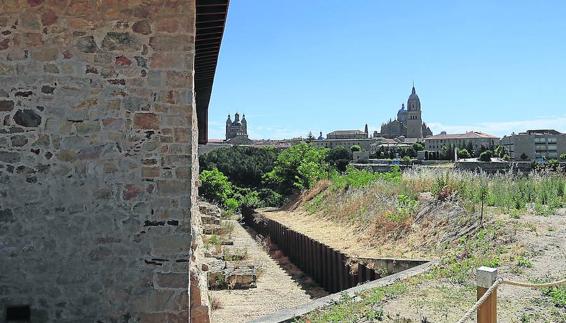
(418, 146)
(447, 152)
(215, 186)
(355, 148)
(470, 149)
(486, 156)
(463, 153)
(563, 156)
(339, 157)
(244, 166)
(298, 167)
(499, 151)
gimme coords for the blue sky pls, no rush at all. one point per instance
(294, 66)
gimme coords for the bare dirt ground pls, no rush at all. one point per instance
(276, 289)
(544, 241)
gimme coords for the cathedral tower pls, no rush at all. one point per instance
(244, 124)
(414, 118)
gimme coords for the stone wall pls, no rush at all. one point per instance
(97, 159)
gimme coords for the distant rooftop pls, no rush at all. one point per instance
(215, 141)
(467, 135)
(347, 132)
(543, 132)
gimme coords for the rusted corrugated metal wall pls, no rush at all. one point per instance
(327, 266)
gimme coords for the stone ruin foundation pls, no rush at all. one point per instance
(98, 163)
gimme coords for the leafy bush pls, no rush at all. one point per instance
(355, 148)
(251, 200)
(231, 204)
(298, 167)
(215, 186)
(563, 157)
(463, 153)
(357, 178)
(405, 208)
(524, 156)
(270, 197)
(499, 151)
(486, 156)
(418, 146)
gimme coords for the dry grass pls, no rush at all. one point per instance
(384, 207)
(300, 199)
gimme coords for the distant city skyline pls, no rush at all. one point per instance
(492, 67)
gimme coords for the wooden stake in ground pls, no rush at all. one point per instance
(487, 312)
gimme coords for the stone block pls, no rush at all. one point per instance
(182, 135)
(182, 172)
(176, 79)
(200, 314)
(172, 280)
(164, 61)
(121, 41)
(170, 244)
(9, 157)
(27, 118)
(150, 172)
(216, 278)
(172, 187)
(142, 27)
(146, 121)
(45, 54)
(6, 105)
(153, 317)
(87, 127)
(49, 17)
(168, 43)
(168, 25)
(242, 278)
(86, 44)
(211, 229)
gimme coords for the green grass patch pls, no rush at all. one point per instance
(366, 308)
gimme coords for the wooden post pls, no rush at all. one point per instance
(487, 312)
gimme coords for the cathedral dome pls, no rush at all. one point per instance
(402, 114)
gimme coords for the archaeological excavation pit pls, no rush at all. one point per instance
(330, 268)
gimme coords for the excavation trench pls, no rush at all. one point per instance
(332, 269)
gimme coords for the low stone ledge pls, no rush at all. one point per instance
(289, 315)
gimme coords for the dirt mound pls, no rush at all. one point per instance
(450, 219)
(298, 200)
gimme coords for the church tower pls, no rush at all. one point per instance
(244, 125)
(414, 118)
(228, 125)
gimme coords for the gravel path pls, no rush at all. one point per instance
(275, 291)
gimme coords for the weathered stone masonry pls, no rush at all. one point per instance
(97, 159)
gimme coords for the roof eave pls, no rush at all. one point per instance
(210, 25)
